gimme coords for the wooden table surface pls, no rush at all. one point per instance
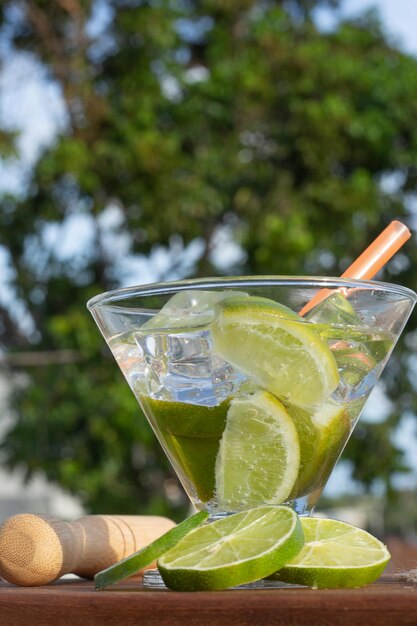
(389, 602)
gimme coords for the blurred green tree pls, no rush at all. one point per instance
(226, 137)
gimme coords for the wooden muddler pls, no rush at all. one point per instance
(37, 549)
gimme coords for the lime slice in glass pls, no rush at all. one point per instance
(259, 453)
(322, 434)
(276, 349)
(144, 557)
(237, 549)
(335, 555)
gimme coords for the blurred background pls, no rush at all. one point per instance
(151, 140)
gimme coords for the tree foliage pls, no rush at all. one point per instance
(193, 123)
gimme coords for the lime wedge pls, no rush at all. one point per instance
(276, 349)
(259, 453)
(322, 435)
(335, 555)
(144, 557)
(234, 550)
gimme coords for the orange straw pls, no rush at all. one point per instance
(381, 250)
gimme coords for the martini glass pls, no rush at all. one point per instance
(251, 402)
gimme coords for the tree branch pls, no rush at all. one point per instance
(39, 359)
(54, 46)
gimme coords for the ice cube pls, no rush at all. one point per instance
(175, 357)
(359, 351)
(180, 366)
(130, 359)
(190, 308)
(335, 309)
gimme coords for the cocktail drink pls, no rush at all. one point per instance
(252, 402)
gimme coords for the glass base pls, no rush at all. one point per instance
(152, 580)
(303, 506)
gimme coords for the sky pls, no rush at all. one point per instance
(398, 16)
(33, 105)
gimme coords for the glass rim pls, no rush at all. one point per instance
(113, 297)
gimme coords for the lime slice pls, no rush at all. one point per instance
(335, 555)
(322, 435)
(234, 550)
(259, 453)
(276, 349)
(144, 557)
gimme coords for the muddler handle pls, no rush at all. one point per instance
(37, 549)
